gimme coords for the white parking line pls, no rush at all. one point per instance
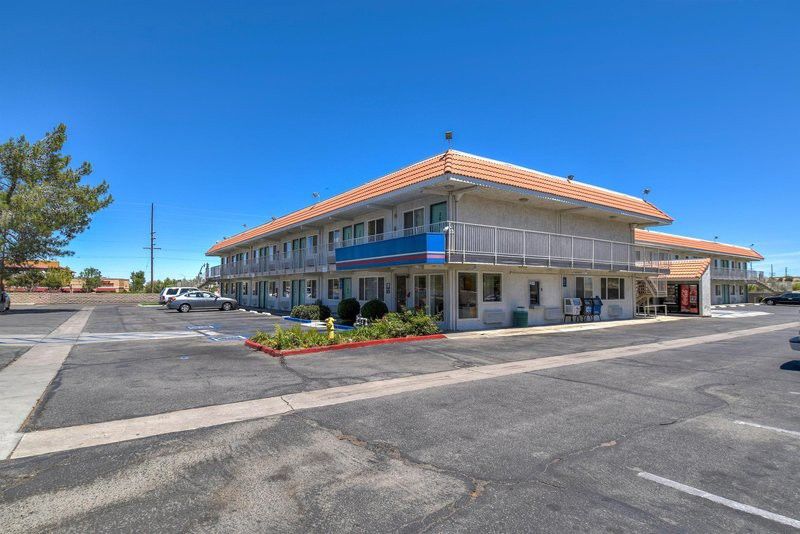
(774, 429)
(782, 519)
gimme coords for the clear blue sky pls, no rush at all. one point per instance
(225, 113)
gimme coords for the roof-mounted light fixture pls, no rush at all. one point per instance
(646, 191)
(570, 178)
(448, 136)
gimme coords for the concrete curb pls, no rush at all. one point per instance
(341, 346)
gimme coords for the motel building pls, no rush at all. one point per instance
(466, 238)
(729, 267)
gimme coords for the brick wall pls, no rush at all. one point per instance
(82, 298)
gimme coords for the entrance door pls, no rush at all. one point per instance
(295, 293)
(429, 294)
(726, 294)
(239, 292)
(438, 216)
(401, 292)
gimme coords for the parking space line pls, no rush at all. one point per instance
(782, 519)
(772, 428)
(75, 437)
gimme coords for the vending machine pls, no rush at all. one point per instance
(689, 298)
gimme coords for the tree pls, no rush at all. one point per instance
(137, 281)
(92, 279)
(28, 279)
(57, 278)
(43, 202)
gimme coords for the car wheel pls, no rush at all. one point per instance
(769, 302)
(227, 306)
(183, 308)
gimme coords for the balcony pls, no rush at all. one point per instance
(294, 262)
(406, 247)
(494, 245)
(723, 273)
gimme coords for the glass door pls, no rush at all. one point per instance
(421, 293)
(401, 292)
(438, 216)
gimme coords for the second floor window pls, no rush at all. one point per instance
(375, 229)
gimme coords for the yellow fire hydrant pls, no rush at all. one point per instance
(329, 326)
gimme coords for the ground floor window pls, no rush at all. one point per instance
(612, 288)
(273, 288)
(244, 288)
(286, 289)
(334, 293)
(371, 288)
(467, 295)
(717, 290)
(583, 287)
(492, 287)
(255, 288)
(311, 289)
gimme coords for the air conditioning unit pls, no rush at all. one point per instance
(572, 306)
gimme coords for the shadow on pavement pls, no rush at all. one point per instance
(791, 365)
(24, 311)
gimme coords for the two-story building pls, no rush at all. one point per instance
(466, 238)
(730, 265)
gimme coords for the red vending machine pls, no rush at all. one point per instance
(689, 298)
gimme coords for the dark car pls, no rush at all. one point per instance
(790, 297)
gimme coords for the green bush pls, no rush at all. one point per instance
(306, 311)
(403, 324)
(348, 309)
(796, 286)
(374, 309)
(324, 311)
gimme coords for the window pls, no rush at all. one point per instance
(612, 288)
(347, 235)
(583, 287)
(333, 239)
(347, 287)
(438, 215)
(244, 290)
(311, 289)
(492, 287)
(312, 243)
(334, 293)
(741, 290)
(287, 289)
(370, 288)
(255, 288)
(421, 292)
(413, 221)
(273, 288)
(467, 295)
(717, 290)
(375, 229)
(358, 233)
(286, 248)
(533, 293)
(437, 294)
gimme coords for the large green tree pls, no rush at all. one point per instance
(92, 279)
(137, 281)
(56, 278)
(44, 202)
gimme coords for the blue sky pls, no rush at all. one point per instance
(225, 113)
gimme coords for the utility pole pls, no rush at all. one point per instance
(152, 246)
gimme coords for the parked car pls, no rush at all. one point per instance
(196, 300)
(5, 301)
(168, 292)
(790, 297)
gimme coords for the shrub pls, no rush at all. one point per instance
(374, 309)
(348, 309)
(403, 324)
(324, 311)
(306, 311)
(796, 286)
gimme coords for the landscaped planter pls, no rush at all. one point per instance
(341, 346)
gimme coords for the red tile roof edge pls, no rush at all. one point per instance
(692, 243)
(463, 164)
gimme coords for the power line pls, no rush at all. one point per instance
(153, 246)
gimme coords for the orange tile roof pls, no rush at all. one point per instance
(39, 265)
(692, 243)
(685, 269)
(462, 164)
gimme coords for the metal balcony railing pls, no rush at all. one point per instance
(478, 243)
(723, 273)
(308, 260)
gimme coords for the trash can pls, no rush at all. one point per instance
(519, 317)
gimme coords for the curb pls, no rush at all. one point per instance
(341, 346)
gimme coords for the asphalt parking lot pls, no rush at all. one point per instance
(607, 445)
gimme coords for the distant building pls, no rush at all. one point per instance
(108, 285)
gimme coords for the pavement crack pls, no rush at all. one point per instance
(289, 404)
